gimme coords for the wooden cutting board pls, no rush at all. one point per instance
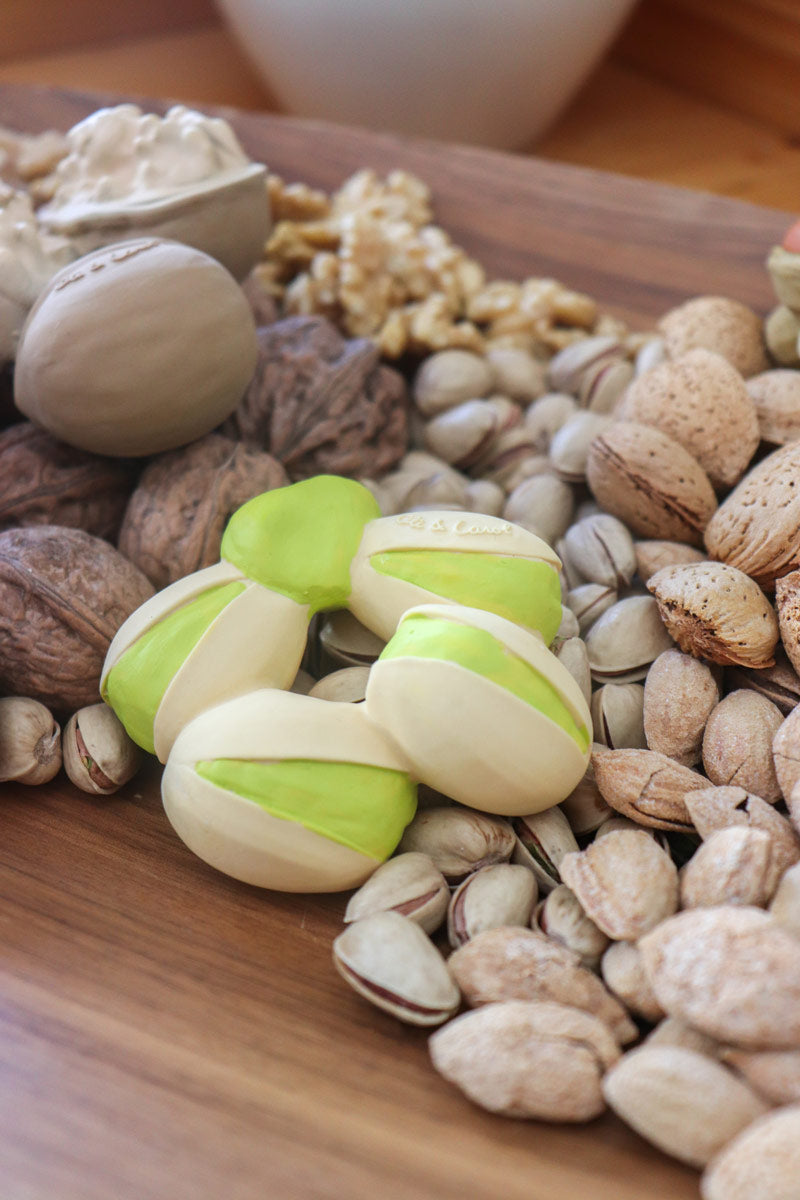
(169, 1034)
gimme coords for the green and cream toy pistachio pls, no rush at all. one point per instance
(288, 792)
(454, 558)
(481, 709)
(241, 624)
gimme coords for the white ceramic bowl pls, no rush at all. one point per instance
(491, 72)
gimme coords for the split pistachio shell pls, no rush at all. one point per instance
(602, 549)
(288, 792)
(453, 558)
(711, 967)
(503, 894)
(573, 655)
(618, 715)
(562, 917)
(458, 840)
(762, 1161)
(782, 335)
(547, 414)
(520, 964)
(568, 366)
(344, 642)
(390, 961)
(625, 640)
(542, 840)
(569, 448)
(589, 601)
(410, 884)
(685, 1103)
(30, 741)
(784, 271)
(625, 882)
(527, 1059)
(349, 684)
(516, 372)
(449, 666)
(543, 504)
(99, 757)
(449, 377)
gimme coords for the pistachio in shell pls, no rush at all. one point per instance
(63, 596)
(30, 741)
(99, 757)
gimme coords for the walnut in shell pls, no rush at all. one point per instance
(176, 517)
(715, 611)
(321, 403)
(46, 482)
(63, 596)
(650, 482)
(757, 527)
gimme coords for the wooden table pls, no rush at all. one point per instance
(169, 1034)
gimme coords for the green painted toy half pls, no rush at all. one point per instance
(288, 792)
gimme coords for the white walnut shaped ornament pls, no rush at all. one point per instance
(481, 710)
(181, 176)
(140, 347)
(288, 792)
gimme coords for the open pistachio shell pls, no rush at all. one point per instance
(196, 643)
(288, 792)
(481, 710)
(454, 558)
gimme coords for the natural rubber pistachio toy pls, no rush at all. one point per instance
(288, 792)
(481, 710)
(454, 558)
(241, 624)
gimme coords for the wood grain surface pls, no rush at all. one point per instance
(167, 1033)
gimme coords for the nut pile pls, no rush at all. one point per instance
(636, 946)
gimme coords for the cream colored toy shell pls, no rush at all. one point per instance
(239, 837)
(472, 739)
(137, 348)
(379, 601)
(181, 176)
(256, 641)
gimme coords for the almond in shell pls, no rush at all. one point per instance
(776, 395)
(650, 482)
(646, 786)
(717, 323)
(787, 602)
(757, 527)
(715, 611)
(700, 400)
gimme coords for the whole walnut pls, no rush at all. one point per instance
(322, 403)
(45, 482)
(176, 517)
(63, 596)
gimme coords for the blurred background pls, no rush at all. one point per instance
(698, 94)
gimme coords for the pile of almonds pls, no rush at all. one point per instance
(637, 946)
